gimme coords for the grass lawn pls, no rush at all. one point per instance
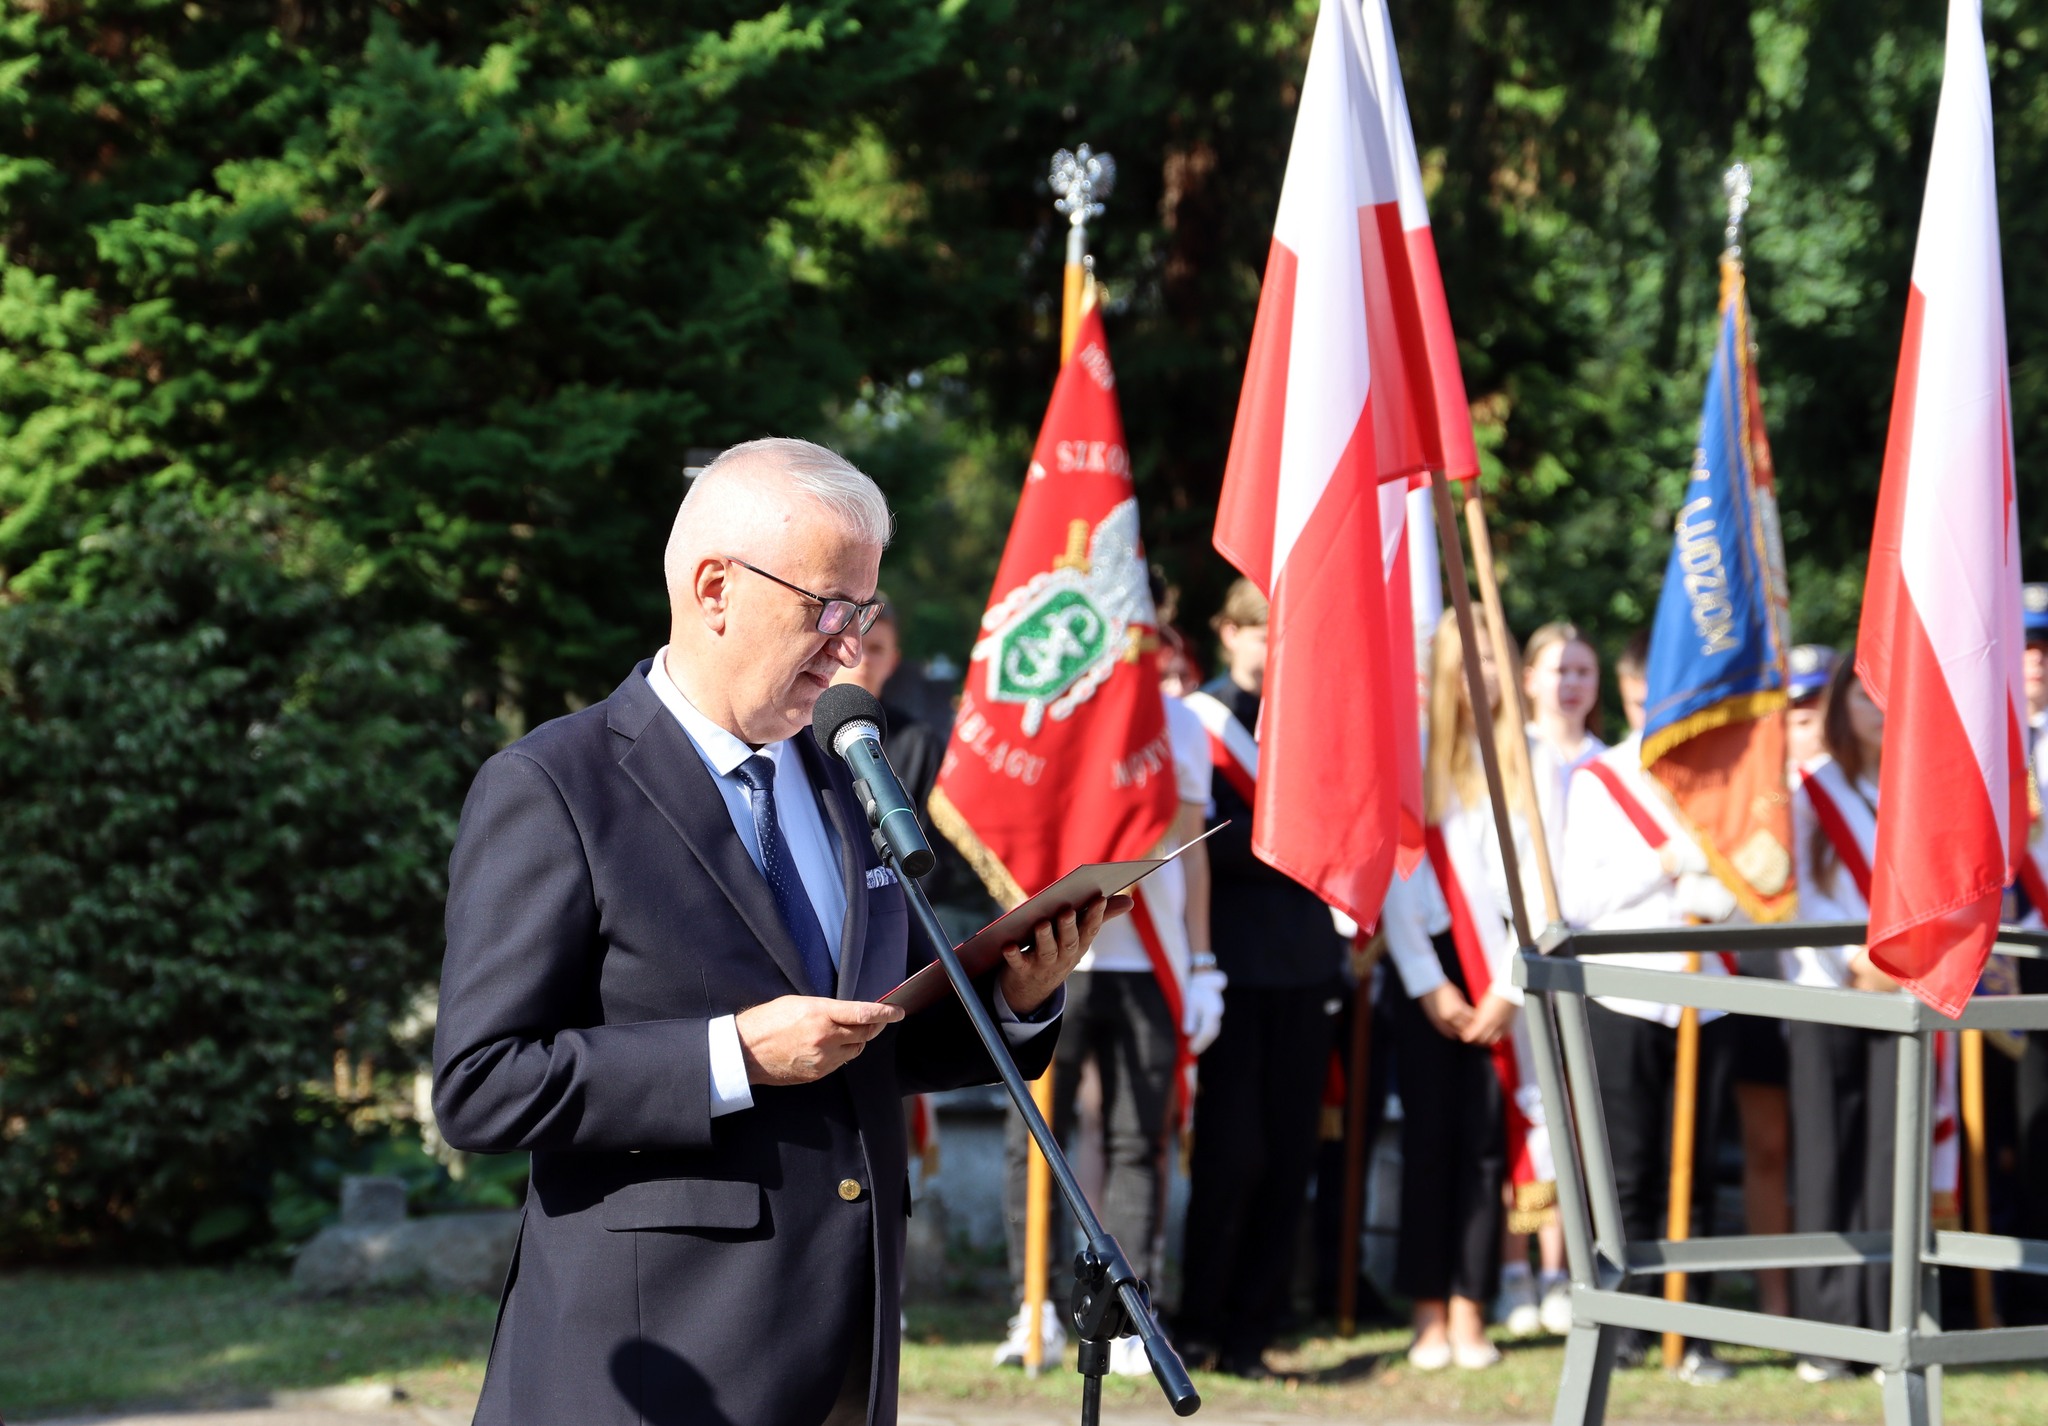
(74, 1341)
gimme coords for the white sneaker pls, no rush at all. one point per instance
(1556, 1312)
(1127, 1357)
(1476, 1358)
(1516, 1308)
(1431, 1358)
(1052, 1333)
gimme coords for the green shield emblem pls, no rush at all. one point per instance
(1051, 647)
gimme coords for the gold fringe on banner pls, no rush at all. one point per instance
(1728, 710)
(1535, 1205)
(987, 865)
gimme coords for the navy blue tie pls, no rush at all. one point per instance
(758, 773)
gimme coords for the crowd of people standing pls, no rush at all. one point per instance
(1269, 973)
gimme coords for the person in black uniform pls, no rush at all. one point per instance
(1259, 1096)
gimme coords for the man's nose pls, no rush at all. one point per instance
(846, 647)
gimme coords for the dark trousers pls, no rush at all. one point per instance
(1637, 1063)
(1120, 1018)
(1844, 1090)
(1453, 1155)
(1256, 1117)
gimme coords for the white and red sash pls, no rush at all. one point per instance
(1850, 825)
(1639, 817)
(1231, 745)
(1524, 1153)
(1846, 820)
(1168, 970)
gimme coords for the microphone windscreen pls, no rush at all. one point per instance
(841, 704)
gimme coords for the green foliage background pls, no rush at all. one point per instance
(415, 310)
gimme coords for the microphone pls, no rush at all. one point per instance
(848, 721)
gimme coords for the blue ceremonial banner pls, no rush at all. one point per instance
(1714, 731)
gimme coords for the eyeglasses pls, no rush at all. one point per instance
(834, 615)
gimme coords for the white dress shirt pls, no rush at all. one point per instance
(1416, 910)
(813, 849)
(1551, 772)
(1829, 895)
(1611, 879)
(1117, 946)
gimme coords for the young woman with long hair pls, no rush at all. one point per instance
(1561, 692)
(1464, 1127)
(1561, 685)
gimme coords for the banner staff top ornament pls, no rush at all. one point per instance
(1737, 183)
(1081, 179)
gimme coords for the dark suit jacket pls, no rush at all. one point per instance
(673, 1267)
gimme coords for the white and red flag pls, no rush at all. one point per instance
(1940, 644)
(1351, 392)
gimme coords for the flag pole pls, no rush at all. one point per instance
(1972, 1068)
(1737, 185)
(1082, 179)
(1475, 692)
(1364, 951)
(1510, 694)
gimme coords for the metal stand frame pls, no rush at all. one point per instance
(1561, 972)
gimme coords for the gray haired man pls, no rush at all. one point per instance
(667, 933)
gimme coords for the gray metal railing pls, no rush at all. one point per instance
(1562, 972)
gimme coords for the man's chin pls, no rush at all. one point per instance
(803, 700)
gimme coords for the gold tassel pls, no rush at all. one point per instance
(1535, 1205)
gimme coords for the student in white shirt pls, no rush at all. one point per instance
(1448, 935)
(1630, 863)
(1561, 682)
(1561, 689)
(1118, 1015)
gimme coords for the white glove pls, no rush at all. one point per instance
(1705, 897)
(1201, 1010)
(1684, 857)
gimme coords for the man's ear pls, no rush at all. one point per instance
(709, 587)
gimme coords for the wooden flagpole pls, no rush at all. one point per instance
(1977, 1163)
(1082, 180)
(1510, 695)
(1475, 691)
(1356, 1085)
(1685, 1086)
(1685, 1077)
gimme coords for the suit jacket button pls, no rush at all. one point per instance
(849, 1189)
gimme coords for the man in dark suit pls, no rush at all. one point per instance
(667, 927)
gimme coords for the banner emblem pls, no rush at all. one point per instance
(1055, 639)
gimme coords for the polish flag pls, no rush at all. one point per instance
(1940, 644)
(1351, 393)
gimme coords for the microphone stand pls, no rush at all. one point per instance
(1110, 1300)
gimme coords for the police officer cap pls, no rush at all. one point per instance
(1811, 666)
(2034, 609)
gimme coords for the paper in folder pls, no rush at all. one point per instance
(1071, 892)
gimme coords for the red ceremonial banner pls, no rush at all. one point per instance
(1059, 755)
